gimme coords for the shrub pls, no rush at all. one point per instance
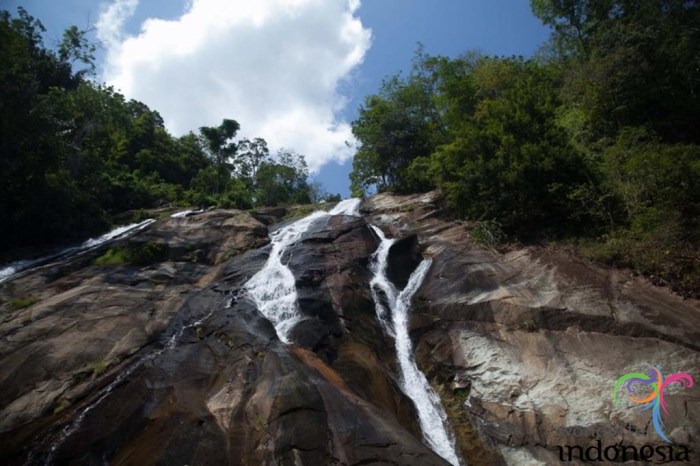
(488, 233)
(134, 253)
(113, 256)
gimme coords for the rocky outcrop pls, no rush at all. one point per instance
(164, 359)
(86, 322)
(526, 346)
(189, 372)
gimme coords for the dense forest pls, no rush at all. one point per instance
(74, 153)
(593, 144)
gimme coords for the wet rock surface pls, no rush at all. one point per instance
(525, 346)
(177, 366)
(189, 372)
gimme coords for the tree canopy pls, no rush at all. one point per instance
(74, 153)
(595, 142)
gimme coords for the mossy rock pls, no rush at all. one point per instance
(134, 253)
(23, 302)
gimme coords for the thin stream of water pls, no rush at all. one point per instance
(393, 310)
(15, 269)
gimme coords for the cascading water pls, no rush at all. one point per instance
(15, 268)
(273, 288)
(392, 311)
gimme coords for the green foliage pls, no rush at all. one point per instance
(218, 144)
(597, 141)
(299, 211)
(394, 127)
(488, 233)
(23, 302)
(113, 256)
(146, 253)
(98, 368)
(134, 253)
(75, 153)
(62, 404)
(529, 325)
(283, 180)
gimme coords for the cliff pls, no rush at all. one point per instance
(167, 356)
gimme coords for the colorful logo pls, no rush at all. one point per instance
(653, 400)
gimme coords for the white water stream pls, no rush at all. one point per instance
(274, 292)
(393, 311)
(13, 269)
(273, 288)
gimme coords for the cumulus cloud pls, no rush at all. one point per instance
(111, 21)
(273, 65)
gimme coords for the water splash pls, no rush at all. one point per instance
(393, 313)
(14, 269)
(273, 288)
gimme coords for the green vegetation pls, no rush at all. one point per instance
(98, 368)
(146, 253)
(134, 253)
(113, 256)
(61, 405)
(298, 211)
(23, 302)
(76, 153)
(595, 142)
(488, 233)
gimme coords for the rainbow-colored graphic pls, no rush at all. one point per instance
(654, 400)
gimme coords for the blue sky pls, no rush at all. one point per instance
(295, 75)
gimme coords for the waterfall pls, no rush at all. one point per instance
(273, 288)
(15, 268)
(392, 310)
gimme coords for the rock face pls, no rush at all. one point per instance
(526, 346)
(170, 363)
(90, 322)
(166, 360)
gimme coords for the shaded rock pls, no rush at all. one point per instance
(404, 257)
(223, 392)
(269, 215)
(195, 374)
(523, 349)
(210, 237)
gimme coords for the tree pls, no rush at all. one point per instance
(394, 127)
(75, 47)
(218, 144)
(283, 180)
(37, 192)
(251, 154)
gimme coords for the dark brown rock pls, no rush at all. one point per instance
(227, 391)
(404, 257)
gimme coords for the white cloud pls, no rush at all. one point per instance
(111, 21)
(272, 65)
